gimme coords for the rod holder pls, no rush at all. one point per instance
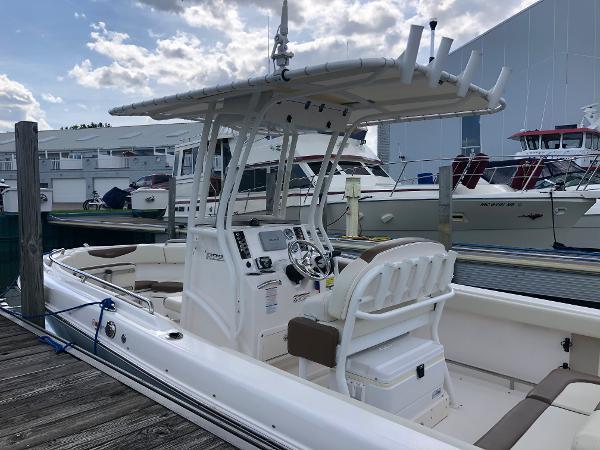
(498, 89)
(465, 78)
(436, 66)
(408, 58)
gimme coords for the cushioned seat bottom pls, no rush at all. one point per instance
(555, 429)
(551, 415)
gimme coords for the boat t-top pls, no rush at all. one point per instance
(256, 326)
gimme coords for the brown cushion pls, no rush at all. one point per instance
(144, 284)
(556, 381)
(112, 252)
(312, 340)
(167, 286)
(107, 266)
(513, 425)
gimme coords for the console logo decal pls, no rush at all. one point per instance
(214, 256)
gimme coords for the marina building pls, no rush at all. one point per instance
(74, 163)
(553, 49)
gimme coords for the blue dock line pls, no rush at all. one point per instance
(57, 346)
(107, 303)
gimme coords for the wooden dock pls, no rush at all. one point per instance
(50, 400)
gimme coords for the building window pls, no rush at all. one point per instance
(471, 135)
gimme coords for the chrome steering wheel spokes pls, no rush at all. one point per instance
(304, 256)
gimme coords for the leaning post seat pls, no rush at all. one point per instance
(393, 288)
(561, 412)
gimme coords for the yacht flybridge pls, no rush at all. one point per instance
(281, 343)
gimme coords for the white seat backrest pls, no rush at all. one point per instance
(398, 272)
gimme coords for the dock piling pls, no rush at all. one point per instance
(30, 221)
(445, 206)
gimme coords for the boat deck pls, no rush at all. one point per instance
(55, 400)
(482, 402)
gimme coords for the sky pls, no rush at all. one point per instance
(65, 62)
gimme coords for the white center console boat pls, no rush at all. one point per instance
(282, 344)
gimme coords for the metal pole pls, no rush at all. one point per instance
(30, 221)
(352, 197)
(445, 206)
(171, 208)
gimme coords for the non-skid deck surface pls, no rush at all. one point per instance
(50, 400)
(481, 404)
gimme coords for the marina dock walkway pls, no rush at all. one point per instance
(50, 400)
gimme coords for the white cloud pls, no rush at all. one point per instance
(52, 98)
(18, 103)
(179, 60)
(79, 15)
(228, 45)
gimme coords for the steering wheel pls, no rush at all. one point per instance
(304, 255)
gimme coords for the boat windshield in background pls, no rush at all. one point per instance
(554, 173)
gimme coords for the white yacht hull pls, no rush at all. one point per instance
(519, 219)
(524, 222)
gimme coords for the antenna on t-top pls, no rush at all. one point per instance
(432, 25)
(281, 55)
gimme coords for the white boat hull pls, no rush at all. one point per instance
(527, 222)
(256, 401)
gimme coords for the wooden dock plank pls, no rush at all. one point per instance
(57, 393)
(36, 416)
(136, 421)
(49, 431)
(194, 440)
(31, 383)
(50, 400)
(37, 362)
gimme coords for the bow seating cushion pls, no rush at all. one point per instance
(588, 437)
(562, 411)
(173, 302)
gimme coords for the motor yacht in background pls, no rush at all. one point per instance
(581, 143)
(253, 322)
(502, 213)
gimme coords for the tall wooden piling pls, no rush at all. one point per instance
(30, 221)
(445, 207)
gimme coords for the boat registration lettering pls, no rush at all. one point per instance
(271, 300)
(500, 204)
